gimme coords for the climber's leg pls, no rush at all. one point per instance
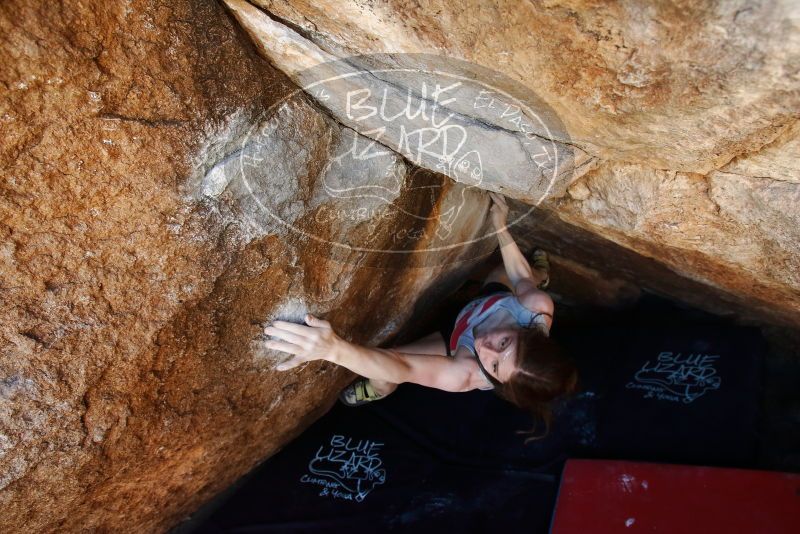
(540, 265)
(360, 391)
(382, 387)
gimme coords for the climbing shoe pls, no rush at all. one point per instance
(541, 263)
(358, 393)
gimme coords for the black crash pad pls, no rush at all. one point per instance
(683, 394)
(419, 459)
(424, 459)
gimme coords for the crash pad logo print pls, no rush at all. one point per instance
(346, 468)
(677, 377)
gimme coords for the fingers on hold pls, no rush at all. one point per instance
(288, 364)
(285, 335)
(290, 327)
(315, 321)
(282, 346)
(498, 200)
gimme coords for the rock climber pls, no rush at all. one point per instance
(498, 341)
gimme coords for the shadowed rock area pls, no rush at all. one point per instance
(166, 190)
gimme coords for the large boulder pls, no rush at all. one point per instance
(681, 120)
(170, 182)
(165, 192)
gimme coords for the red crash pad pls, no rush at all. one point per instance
(601, 497)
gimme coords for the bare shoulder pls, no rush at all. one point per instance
(465, 360)
(432, 370)
(534, 298)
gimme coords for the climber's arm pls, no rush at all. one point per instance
(517, 267)
(435, 371)
(524, 279)
(318, 341)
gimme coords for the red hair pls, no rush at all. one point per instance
(543, 373)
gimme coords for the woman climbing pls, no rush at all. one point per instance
(498, 341)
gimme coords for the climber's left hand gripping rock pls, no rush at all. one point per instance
(317, 341)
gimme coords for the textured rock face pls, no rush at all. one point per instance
(679, 85)
(683, 117)
(467, 122)
(165, 191)
(160, 202)
(735, 233)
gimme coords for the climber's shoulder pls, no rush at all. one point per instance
(468, 364)
(533, 298)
